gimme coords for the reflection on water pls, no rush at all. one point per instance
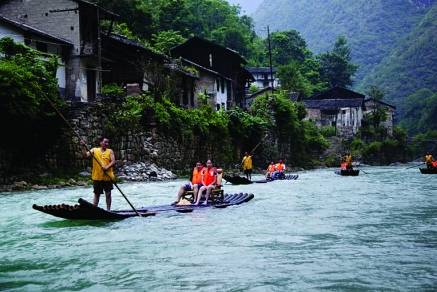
(377, 231)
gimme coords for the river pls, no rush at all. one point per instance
(377, 231)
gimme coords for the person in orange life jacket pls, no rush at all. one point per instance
(209, 180)
(194, 184)
(102, 171)
(270, 170)
(280, 169)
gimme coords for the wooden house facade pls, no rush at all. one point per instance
(338, 107)
(221, 73)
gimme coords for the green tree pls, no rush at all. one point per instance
(165, 40)
(293, 80)
(336, 67)
(287, 47)
(27, 86)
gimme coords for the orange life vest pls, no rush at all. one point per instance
(271, 168)
(280, 167)
(197, 176)
(434, 164)
(208, 175)
(343, 165)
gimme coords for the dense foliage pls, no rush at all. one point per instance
(166, 23)
(300, 140)
(27, 84)
(411, 65)
(374, 28)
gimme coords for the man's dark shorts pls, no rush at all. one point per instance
(189, 187)
(248, 171)
(101, 185)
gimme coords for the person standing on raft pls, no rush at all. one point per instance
(102, 173)
(430, 163)
(247, 165)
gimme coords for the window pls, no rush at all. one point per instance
(223, 86)
(42, 47)
(217, 106)
(218, 84)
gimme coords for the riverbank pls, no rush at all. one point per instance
(134, 172)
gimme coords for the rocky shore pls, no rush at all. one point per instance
(133, 172)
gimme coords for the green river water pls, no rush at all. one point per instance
(374, 232)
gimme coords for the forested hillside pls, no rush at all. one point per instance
(373, 28)
(412, 65)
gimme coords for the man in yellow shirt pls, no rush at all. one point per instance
(429, 160)
(247, 165)
(102, 171)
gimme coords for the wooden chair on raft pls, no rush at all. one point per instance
(217, 194)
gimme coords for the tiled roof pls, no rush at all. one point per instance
(254, 70)
(332, 104)
(34, 31)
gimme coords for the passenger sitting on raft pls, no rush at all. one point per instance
(279, 170)
(193, 185)
(270, 170)
(209, 181)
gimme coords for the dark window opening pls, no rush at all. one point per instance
(25, 15)
(223, 86)
(218, 84)
(42, 47)
(218, 107)
(91, 84)
(72, 27)
(27, 42)
(47, 14)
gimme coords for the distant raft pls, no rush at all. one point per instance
(87, 211)
(348, 172)
(238, 180)
(428, 170)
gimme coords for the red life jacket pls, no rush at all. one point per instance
(209, 175)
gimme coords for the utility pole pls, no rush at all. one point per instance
(270, 57)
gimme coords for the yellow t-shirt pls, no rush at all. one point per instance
(428, 158)
(247, 162)
(104, 158)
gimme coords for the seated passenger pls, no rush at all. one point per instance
(209, 181)
(280, 170)
(270, 170)
(193, 185)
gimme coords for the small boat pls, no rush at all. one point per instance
(87, 211)
(238, 180)
(428, 170)
(348, 172)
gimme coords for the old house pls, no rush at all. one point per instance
(77, 22)
(263, 78)
(337, 107)
(43, 42)
(221, 73)
(371, 104)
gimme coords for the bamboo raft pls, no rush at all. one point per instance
(428, 170)
(348, 172)
(87, 211)
(238, 180)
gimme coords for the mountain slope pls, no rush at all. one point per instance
(373, 27)
(412, 65)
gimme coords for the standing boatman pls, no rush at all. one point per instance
(247, 165)
(102, 171)
(429, 160)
